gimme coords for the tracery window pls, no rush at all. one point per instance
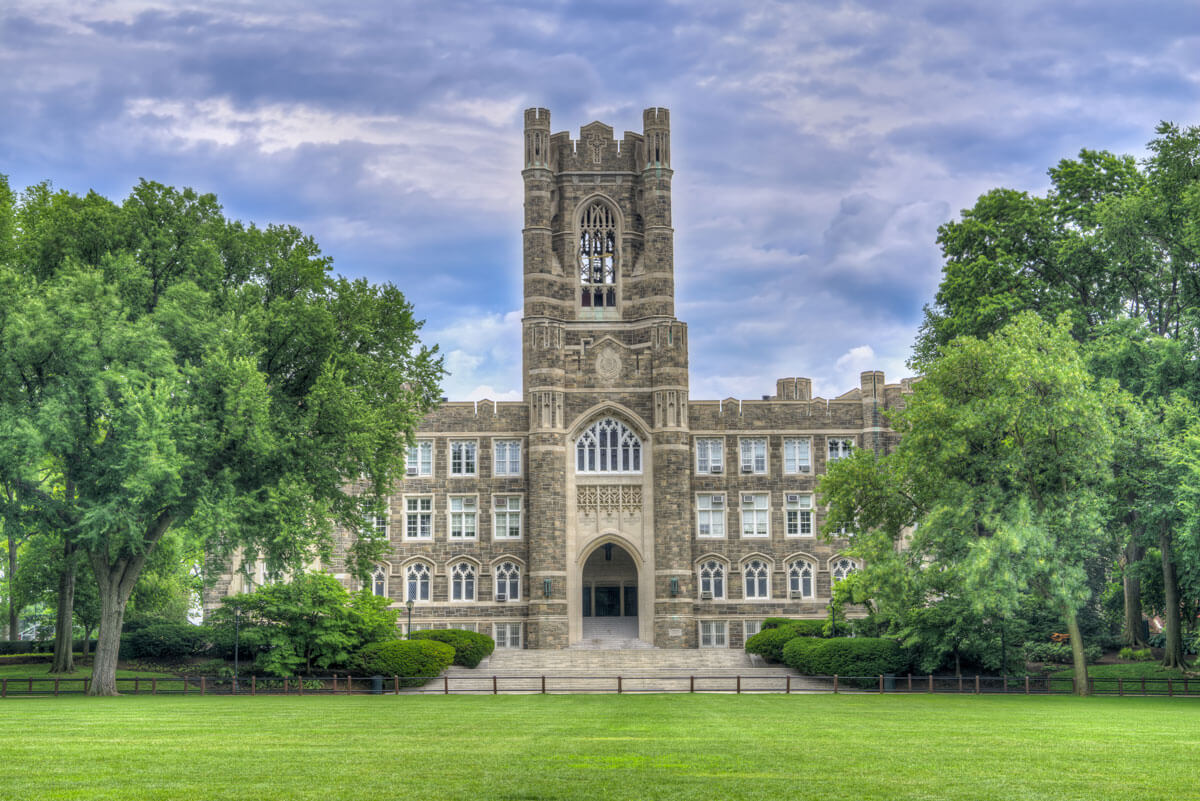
(757, 576)
(800, 578)
(842, 567)
(598, 256)
(712, 579)
(462, 582)
(379, 582)
(508, 582)
(608, 446)
(417, 576)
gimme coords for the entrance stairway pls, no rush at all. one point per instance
(618, 633)
(641, 670)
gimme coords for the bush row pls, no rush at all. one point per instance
(414, 660)
(1059, 652)
(778, 632)
(470, 648)
(845, 656)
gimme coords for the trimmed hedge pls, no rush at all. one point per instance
(470, 648)
(167, 641)
(845, 656)
(769, 642)
(414, 661)
(1059, 652)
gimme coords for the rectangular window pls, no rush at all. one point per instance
(799, 510)
(507, 635)
(462, 518)
(506, 457)
(713, 634)
(754, 455)
(840, 448)
(797, 456)
(756, 512)
(420, 459)
(461, 626)
(506, 517)
(462, 458)
(418, 518)
(710, 516)
(710, 455)
(750, 628)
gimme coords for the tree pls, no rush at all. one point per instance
(1004, 454)
(310, 622)
(178, 369)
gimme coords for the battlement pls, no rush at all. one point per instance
(656, 118)
(537, 118)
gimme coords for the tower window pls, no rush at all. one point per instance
(608, 447)
(598, 256)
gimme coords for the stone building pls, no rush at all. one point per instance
(609, 503)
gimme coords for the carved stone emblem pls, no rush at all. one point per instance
(608, 365)
(597, 148)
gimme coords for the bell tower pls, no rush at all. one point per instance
(600, 340)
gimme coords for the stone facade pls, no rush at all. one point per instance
(601, 345)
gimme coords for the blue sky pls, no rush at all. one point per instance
(817, 146)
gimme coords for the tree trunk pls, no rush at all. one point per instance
(1132, 634)
(1173, 647)
(13, 629)
(64, 616)
(1079, 662)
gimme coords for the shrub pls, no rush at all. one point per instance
(414, 661)
(769, 642)
(1140, 655)
(470, 648)
(846, 656)
(809, 628)
(167, 641)
(776, 622)
(1059, 652)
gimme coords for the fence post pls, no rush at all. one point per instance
(253, 684)
(396, 684)
(543, 684)
(881, 684)
(788, 684)
(960, 684)
(618, 685)
(1170, 687)
(446, 685)
(910, 682)
(1143, 685)
(56, 686)
(1073, 687)
(335, 684)
(977, 684)
(154, 686)
(201, 685)
(136, 685)
(85, 686)
(1091, 685)
(739, 685)
(495, 688)
(1120, 686)
(1027, 684)
(1005, 682)
(3, 688)
(691, 684)
(930, 682)
(299, 685)
(835, 684)
(285, 685)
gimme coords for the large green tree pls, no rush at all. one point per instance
(1004, 455)
(176, 368)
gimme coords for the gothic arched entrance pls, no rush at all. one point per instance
(610, 594)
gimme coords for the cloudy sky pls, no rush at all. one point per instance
(817, 145)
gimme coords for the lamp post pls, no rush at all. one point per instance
(408, 632)
(237, 619)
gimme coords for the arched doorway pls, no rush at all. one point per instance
(610, 594)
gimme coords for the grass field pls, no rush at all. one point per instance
(600, 747)
(39, 669)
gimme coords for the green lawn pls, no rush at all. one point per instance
(600, 747)
(1131, 673)
(81, 672)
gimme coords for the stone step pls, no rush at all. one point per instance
(614, 662)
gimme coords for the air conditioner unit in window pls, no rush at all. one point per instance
(748, 499)
(706, 596)
(716, 468)
(793, 499)
(747, 468)
(501, 596)
(795, 595)
(412, 471)
(718, 501)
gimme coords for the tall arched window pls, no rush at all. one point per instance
(418, 581)
(608, 446)
(800, 578)
(462, 582)
(598, 255)
(712, 579)
(758, 584)
(379, 582)
(508, 582)
(842, 567)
